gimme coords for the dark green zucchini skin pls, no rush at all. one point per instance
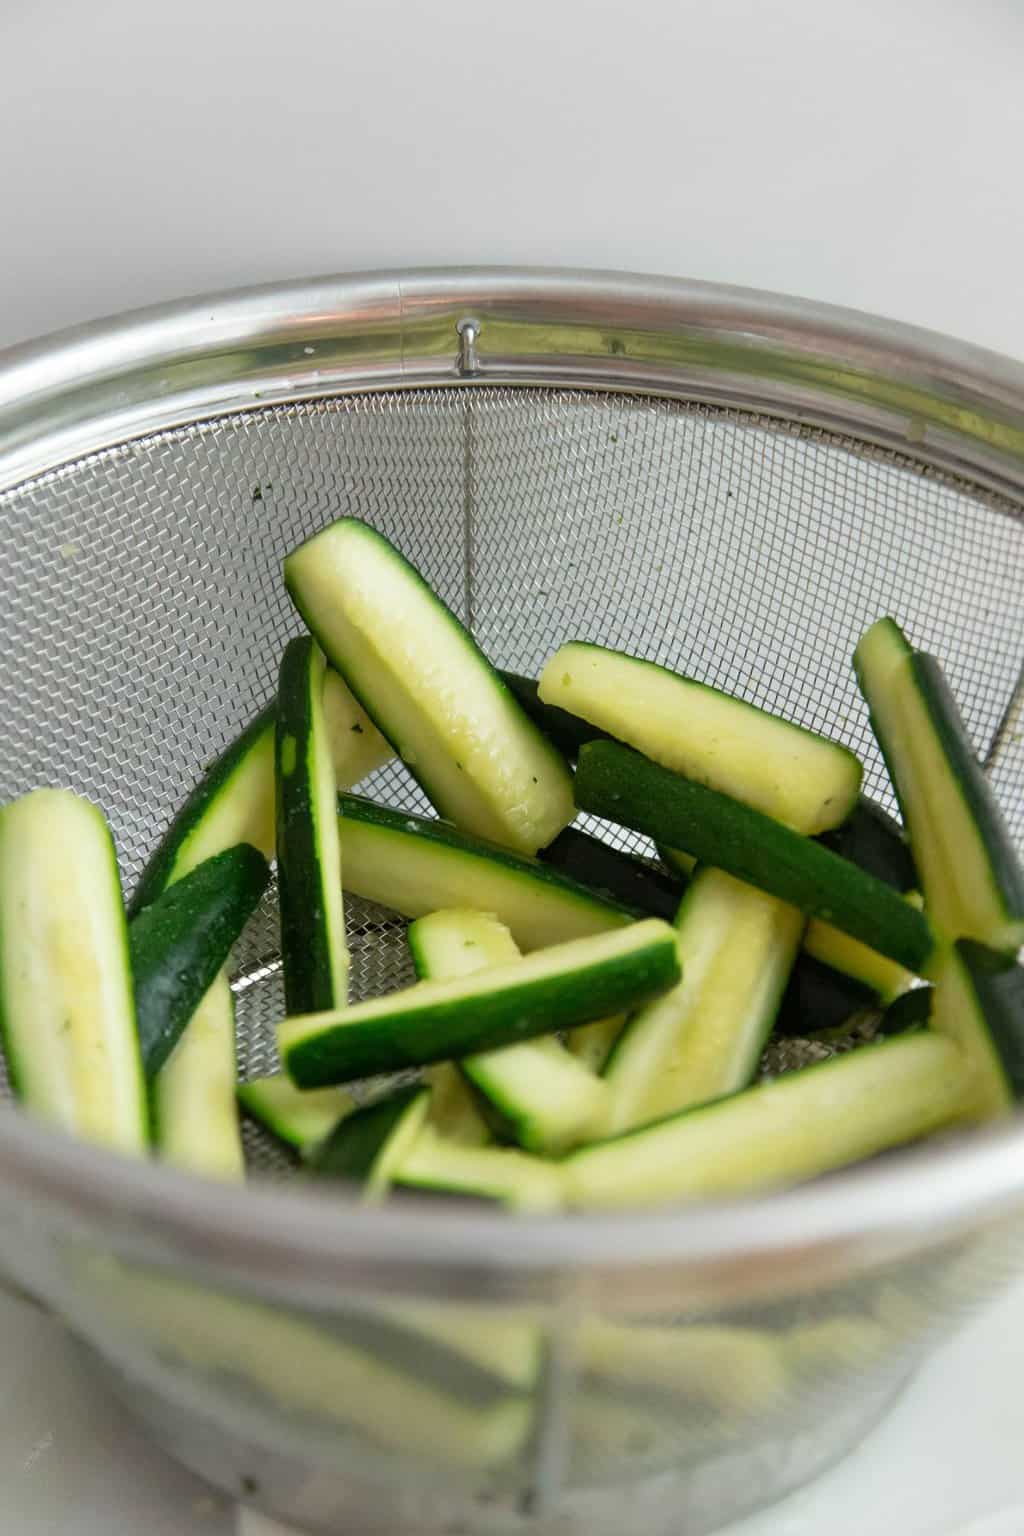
(1007, 872)
(820, 1000)
(970, 875)
(180, 941)
(874, 841)
(998, 984)
(610, 873)
(819, 997)
(313, 955)
(158, 871)
(486, 1011)
(911, 1010)
(357, 1143)
(615, 782)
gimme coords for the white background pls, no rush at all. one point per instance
(867, 153)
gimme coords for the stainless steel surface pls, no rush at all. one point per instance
(705, 476)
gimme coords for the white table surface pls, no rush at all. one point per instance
(866, 154)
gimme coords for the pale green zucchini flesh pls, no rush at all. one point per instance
(794, 775)
(195, 1110)
(505, 1175)
(705, 1037)
(417, 865)
(534, 1093)
(431, 691)
(302, 1118)
(67, 1011)
(782, 1131)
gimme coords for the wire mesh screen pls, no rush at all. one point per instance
(145, 613)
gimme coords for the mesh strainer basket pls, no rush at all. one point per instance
(729, 483)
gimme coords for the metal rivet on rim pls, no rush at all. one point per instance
(469, 330)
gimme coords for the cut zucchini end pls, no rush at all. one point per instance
(801, 778)
(301, 1119)
(880, 648)
(681, 864)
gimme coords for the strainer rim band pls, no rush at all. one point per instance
(305, 1242)
(947, 403)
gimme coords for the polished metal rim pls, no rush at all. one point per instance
(950, 407)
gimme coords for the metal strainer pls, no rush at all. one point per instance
(729, 483)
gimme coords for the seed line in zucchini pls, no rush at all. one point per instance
(550, 990)
(194, 1107)
(309, 874)
(234, 800)
(978, 1001)
(617, 783)
(705, 1037)
(180, 941)
(67, 1014)
(367, 1146)
(971, 876)
(535, 1093)
(431, 691)
(782, 1131)
(300, 1119)
(417, 865)
(792, 774)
